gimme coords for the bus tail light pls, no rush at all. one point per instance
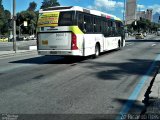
(74, 42)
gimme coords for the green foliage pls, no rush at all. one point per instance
(30, 15)
(143, 25)
(4, 16)
(49, 3)
(32, 6)
(31, 18)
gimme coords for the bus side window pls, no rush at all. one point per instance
(97, 24)
(114, 33)
(109, 28)
(104, 28)
(118, 26)
(80, 21)
(87, 23)
(66, 18)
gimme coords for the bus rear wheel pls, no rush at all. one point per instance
(119, 45)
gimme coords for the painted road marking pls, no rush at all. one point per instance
(153, 45)
(129, 44)
(128, 105)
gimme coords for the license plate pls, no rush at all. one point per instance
(44, 42)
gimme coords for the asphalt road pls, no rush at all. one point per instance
(33, 84)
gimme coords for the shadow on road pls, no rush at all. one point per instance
(50, 60)
(116, 70)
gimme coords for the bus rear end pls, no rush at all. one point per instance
(58, 34)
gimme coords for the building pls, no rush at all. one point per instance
(149, 14)
(141, 14)
(156, 17)
(131, 8)
(132, 14)
(144, 14)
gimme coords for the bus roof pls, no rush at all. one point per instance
(78, 8)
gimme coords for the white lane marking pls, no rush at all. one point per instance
(153, 45)
(129, 44)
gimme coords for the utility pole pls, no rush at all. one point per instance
(14, 26)
(124, 11)
(124, 20)
(11, 24)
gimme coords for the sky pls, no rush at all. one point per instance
(115, 7)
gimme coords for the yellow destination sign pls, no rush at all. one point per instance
(48, 19)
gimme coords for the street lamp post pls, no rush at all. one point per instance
(14, 26)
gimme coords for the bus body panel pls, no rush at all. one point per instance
(61, 52)
(54, 41)
(57, 40)
(111, 43)
(90, 41)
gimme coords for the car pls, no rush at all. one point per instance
(139, 36)
(3, 39)
(144, 34)
(158, 32)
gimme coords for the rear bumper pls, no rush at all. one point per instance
(61, 52)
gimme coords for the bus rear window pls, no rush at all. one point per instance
(66, 19)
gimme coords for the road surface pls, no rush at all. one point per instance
(108, 85)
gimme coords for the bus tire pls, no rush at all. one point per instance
(97, 50)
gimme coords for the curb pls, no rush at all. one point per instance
(152, 98)
(155, 93)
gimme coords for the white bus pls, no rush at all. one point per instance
(76, 31)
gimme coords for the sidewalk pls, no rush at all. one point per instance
(133, 37)
(8, 53)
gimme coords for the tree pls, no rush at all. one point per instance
(4, 16)
(144, 25)
(49, 3)
(1, 15)
(30, 17)
(32, 6)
